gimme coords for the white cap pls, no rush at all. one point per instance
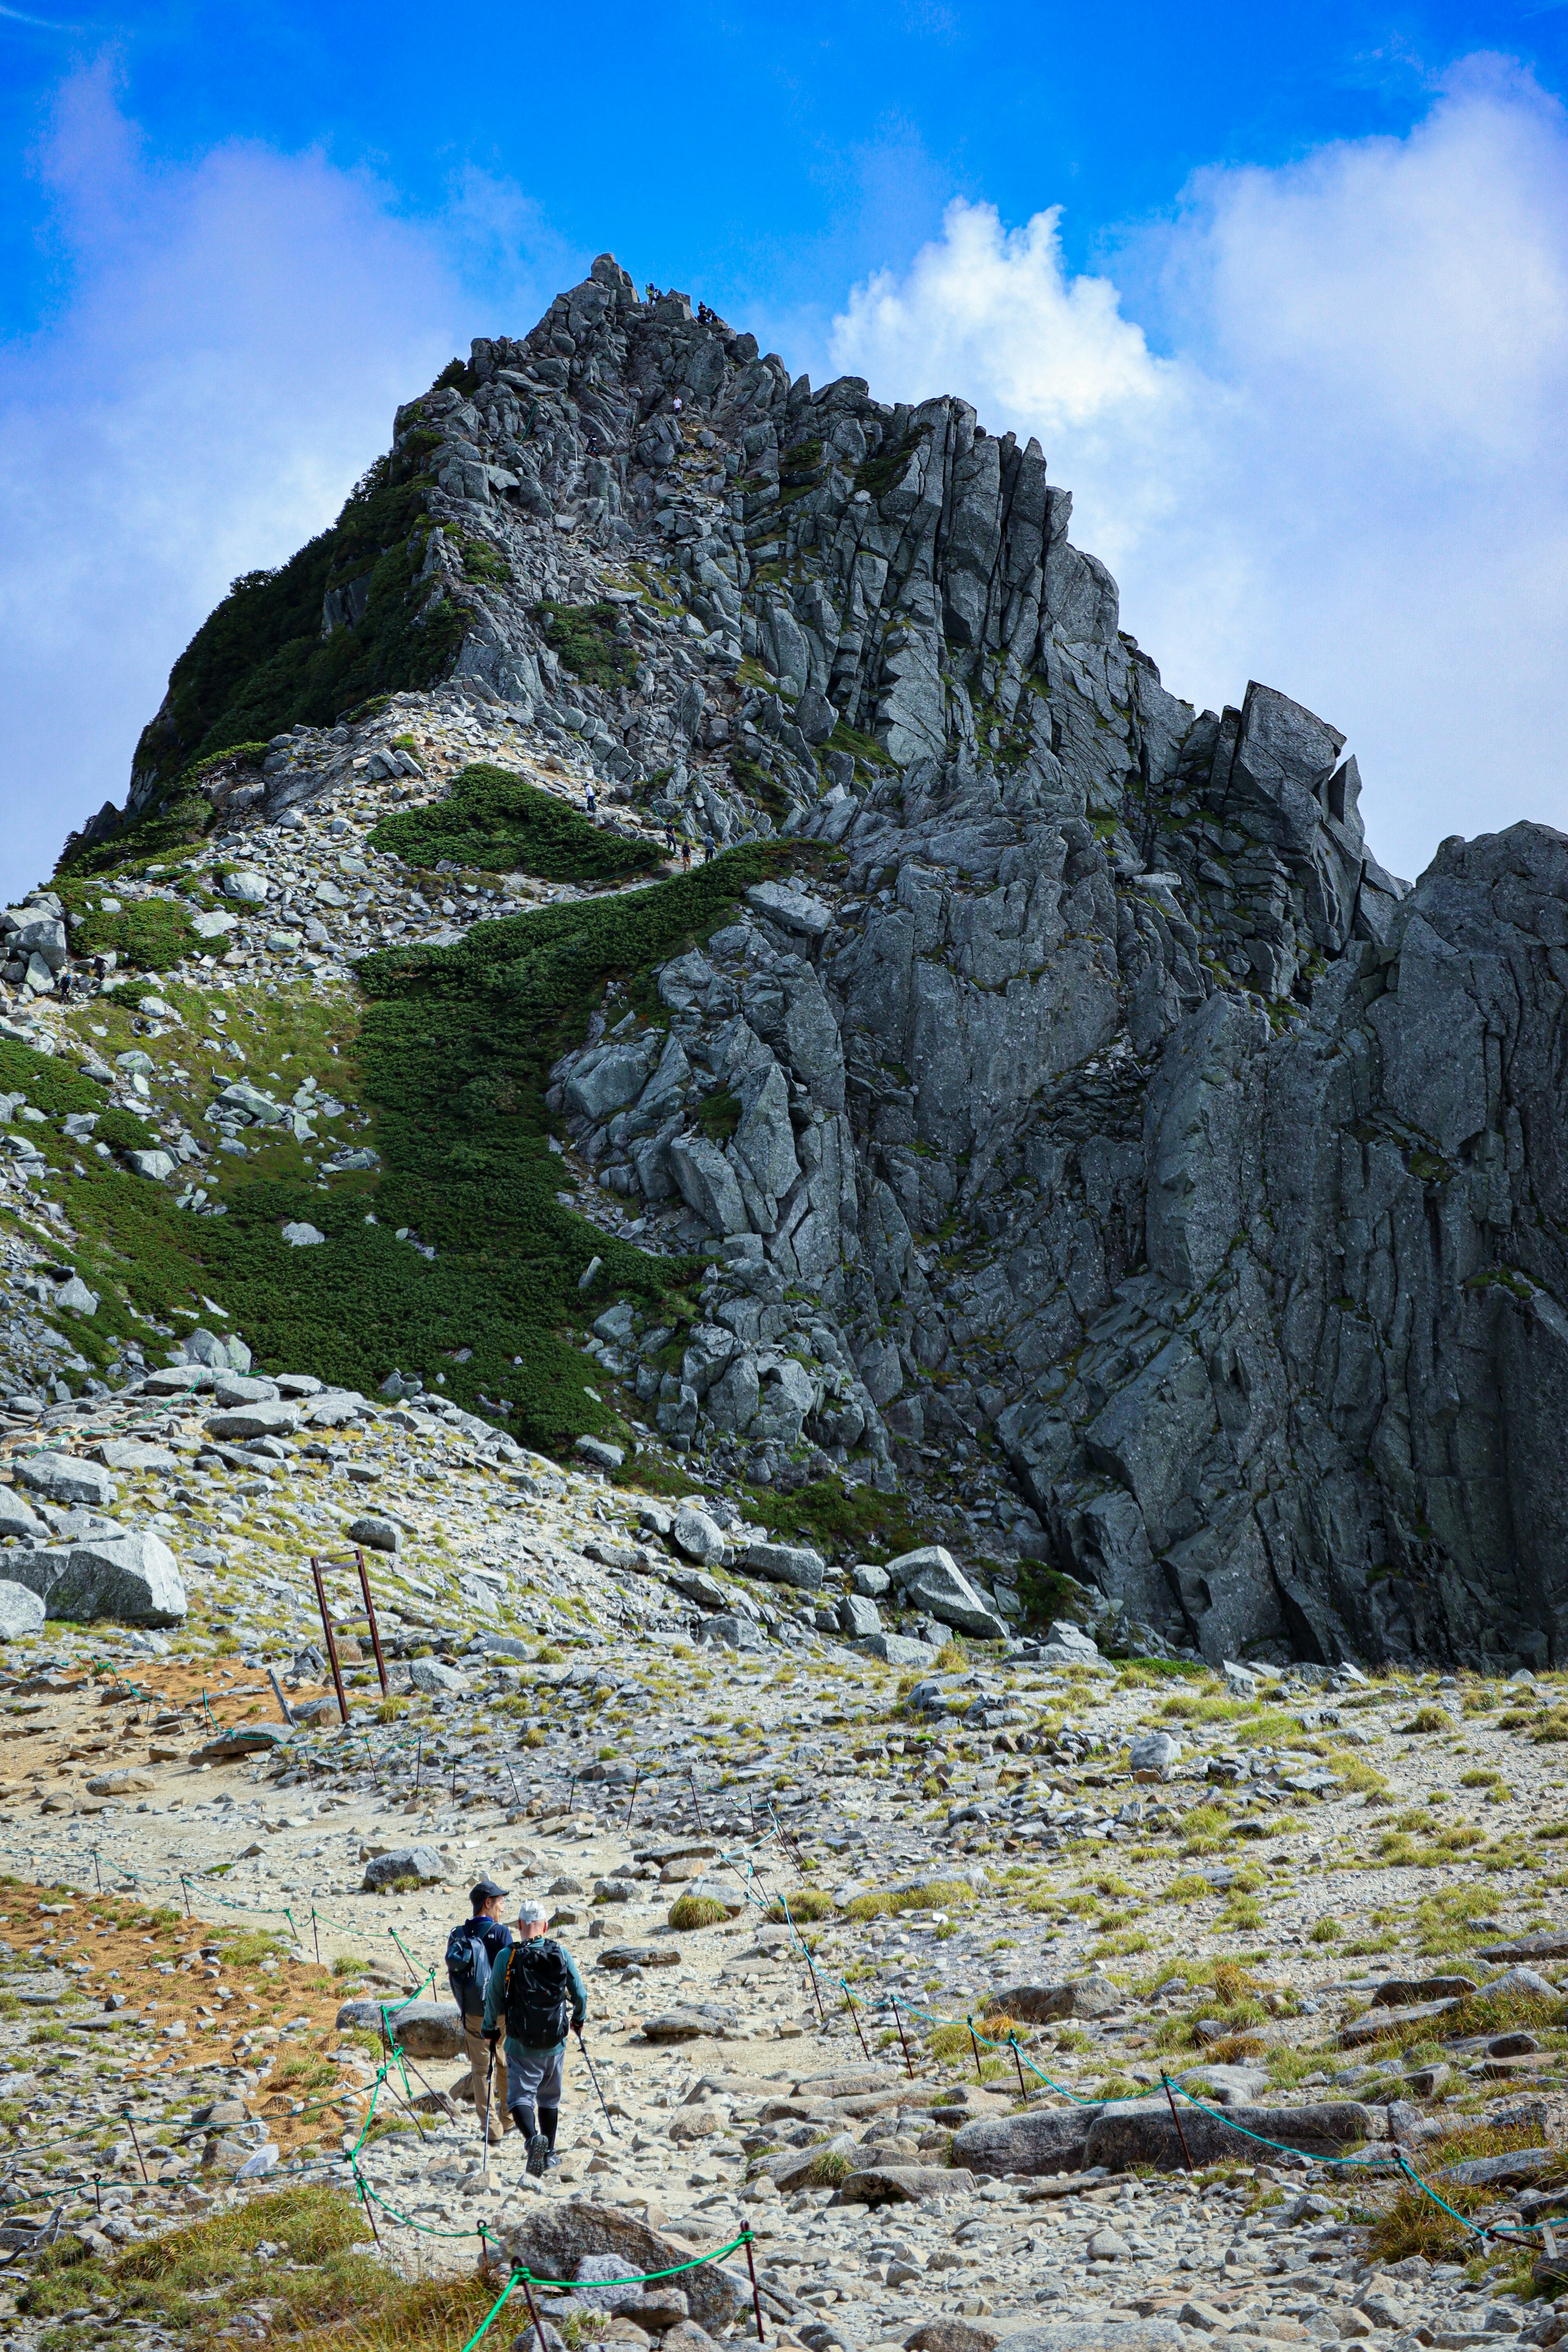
(531, 1913)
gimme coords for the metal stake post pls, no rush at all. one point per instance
(855, 2014)
(370, 1612)
(1013, 2046)
(1175, 2118)
(756, 2292)
(976, 2047)
(332, 1644)
(696, 1804)
(903, 2043)
(137, 2146)
(526, 2284)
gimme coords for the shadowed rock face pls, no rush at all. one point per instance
(1106, 1093)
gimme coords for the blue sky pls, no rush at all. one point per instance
(1283, 292)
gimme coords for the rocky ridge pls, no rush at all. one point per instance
(1088, 1136)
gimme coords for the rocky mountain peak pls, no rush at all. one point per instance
(1088, 1142)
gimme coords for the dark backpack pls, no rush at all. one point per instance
(467, 1966)
(538, 1993)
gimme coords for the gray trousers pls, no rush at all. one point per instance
(532, 2078)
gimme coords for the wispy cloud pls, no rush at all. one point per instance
(1344, 471)
(236, 335)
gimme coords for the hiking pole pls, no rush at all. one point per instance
(490, 2041)
(594, 2078)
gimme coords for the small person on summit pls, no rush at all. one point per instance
(535, 1992)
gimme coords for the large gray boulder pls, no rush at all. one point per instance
(1143, 2131)
(549, 2241)
(420, 1863)
(782, 1563)
(66, 1478)
(1042, 2004)
(425, 2028)
(17, 1520)
(930, 1580)
(1045, 2139)
(132, 1576)
(21, 1611)
(256, 1420)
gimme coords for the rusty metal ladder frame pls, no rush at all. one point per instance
(341, 1560)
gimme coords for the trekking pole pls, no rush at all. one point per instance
(490, 2041)
(594, 2078)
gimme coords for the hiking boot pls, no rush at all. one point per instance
(551, 2161)
(539, 2156)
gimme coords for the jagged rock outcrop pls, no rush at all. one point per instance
(1092, 1102)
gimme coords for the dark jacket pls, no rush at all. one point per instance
(495, 1935)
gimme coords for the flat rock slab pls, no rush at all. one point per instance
(1403, 1992)
(1546, 1943)
(953, 2336)
(1048, 2140)
(1035, 2004)
(640, 1956)
(1379, 2022)
(1513, 2171)
(1143, 2131)
(551, 2240)
(902, 2184)
(1114, 2333)
(689, 2024)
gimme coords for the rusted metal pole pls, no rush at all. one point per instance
(855, 2013)
(903, 2043)
(1175, 2118)
(526, 2285)
(370, 1612)
(1013, 2046)
(137, 2146)
(976, 2047)
(756, 2290)
(327, 1630)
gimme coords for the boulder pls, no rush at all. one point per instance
(1141, 2131)
(64, 1478)
(18, 1520)
(687, 2024)
(1401, 1992)
(953, 2336)
(156, 1166)
(901, 2184)
(231, 1387)
(792, 1564)
(640, 1956)
(549, 2240)
(858, 1617)
(1379, 2022)
(600, 1453)
(729, 1630)
(131, 1453)
(930, 1580)
(1546, 1943)
(374, 1534)
(425, 2028)
(1063, 1634)
(1044, 2139)
(301, 1235)
(696, 1535)
(896, 1650)
(420, 1862)
(1156, 1754)
(866, 1577)
(1036, 2004)
(130, 1577)
(120, 1783)
(429, 1675)
(21, 1611)
(792, 910)
(254, 1421)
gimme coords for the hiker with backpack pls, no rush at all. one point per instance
(473, 1949)
(534, 1994)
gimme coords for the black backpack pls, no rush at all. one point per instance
(467, 1966)
(538, 1993)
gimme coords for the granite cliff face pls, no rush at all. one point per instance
(1098, 1135)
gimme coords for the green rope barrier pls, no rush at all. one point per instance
(488, 2321)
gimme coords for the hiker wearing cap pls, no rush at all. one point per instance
(473, 1949)
(534, 1994)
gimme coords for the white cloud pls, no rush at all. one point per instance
(235, 336)
(1345, 473)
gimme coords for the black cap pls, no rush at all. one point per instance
(486, 1891)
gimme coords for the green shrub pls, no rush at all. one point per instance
(930, 1895)
(584, 637)
(494, 821)
(150, 933)
(124, 1130)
